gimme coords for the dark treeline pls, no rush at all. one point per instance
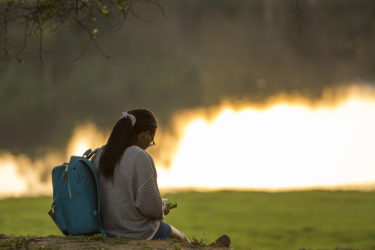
(205, 51)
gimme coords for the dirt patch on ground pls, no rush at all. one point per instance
(94, 242)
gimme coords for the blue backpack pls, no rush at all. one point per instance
(76, 198)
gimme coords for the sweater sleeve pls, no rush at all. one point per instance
(148, 200)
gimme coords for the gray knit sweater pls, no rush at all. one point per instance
(131, 205)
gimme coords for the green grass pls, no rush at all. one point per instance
(27, 216)
(254, 220)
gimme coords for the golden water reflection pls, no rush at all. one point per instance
(288, 142)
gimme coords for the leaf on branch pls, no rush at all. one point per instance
(105, 10)
(94, 32)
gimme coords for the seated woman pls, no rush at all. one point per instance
(131, 204)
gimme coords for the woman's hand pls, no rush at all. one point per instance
(165, 206)
(165, 210)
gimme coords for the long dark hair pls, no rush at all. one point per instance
(124, 135)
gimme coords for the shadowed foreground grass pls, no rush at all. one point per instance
(254, 220)
(95, 242)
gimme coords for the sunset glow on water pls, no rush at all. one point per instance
(281, 147)
(287, 144)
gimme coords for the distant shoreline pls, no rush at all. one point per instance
(365, 187)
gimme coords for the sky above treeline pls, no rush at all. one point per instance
(203, 53)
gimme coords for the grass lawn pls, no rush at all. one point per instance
(254, 220)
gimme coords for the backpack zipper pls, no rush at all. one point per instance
(67, 176)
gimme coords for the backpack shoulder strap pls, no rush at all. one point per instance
(90, 153)
(92, 169)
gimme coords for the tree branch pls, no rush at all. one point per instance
(39, 16)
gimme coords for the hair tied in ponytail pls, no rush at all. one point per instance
(130, 116)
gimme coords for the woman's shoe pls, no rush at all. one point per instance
(223, 241)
